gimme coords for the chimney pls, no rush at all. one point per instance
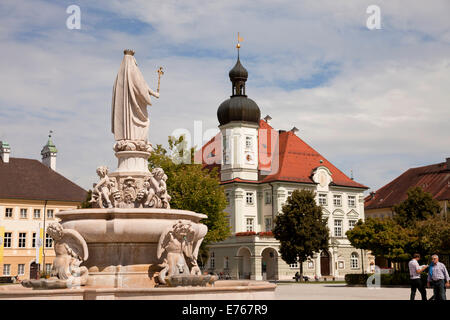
(49, 153)
(448, 163)
(5, 150)
(295, 130)
(267, 119)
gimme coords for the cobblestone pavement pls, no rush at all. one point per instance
(342, 292)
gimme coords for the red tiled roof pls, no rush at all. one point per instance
(293, 157)
(32, 180)
(434, 179)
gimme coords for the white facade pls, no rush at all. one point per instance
(252, 206)
(240, 151)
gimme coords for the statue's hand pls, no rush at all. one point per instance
(155, 94)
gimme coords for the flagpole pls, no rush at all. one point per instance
(44, 240)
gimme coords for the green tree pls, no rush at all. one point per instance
(383, 237)
(193, 188)
(300, 228)
(433, 237)
(419, 206)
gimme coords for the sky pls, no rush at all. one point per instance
(374, 102)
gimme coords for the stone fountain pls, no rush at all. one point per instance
(131, 243)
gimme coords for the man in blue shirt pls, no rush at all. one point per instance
(438, 274)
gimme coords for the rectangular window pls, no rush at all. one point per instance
(33, 240)
(341, 265)
(337, 200)
(248, 142)
(249, 224)
(7, 239)
(267, 197)
(338, 228)
(48, 241)
(224, 150)
(22, 239)
(37, 213)
(23, 213)
(48, 268)
(6, 269)
(50, 214)
(8, 212)
(268, 224)
(20, 269)
(322, 199)
(351, 224)
(310, 264)
(351, 201)
(212, 260)
(249, 198)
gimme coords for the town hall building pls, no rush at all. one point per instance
(259, 168)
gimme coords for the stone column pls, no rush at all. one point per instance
(259, 203)
(317, 265)
(236, 272)
(256, 273)
(238, 214)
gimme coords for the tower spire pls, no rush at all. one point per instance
(238, 45)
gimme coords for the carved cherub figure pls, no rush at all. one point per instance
(70, 250)
(102, 189)
(158, 183)
(165, 198)
(174, 244)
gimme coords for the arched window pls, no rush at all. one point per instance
(354, 261)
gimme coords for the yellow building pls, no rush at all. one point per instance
(31, 193)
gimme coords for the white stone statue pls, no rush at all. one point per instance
(131, 95)
(178, 247)
(70, 250)
(101, 194)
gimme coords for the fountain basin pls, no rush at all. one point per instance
(122, 242)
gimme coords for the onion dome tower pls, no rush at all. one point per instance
(239, 118)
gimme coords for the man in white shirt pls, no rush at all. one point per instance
(414, 273)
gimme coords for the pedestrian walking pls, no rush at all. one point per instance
(414, 274)
(438, 276)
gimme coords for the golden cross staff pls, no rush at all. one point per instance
(160, 73)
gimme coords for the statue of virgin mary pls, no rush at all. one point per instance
(131, 95)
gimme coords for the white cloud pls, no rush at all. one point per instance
(383, 109)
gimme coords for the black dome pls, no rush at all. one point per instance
(238, 72)
(238, 108)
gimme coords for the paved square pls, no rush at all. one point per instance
(332, 291)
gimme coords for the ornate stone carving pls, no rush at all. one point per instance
(178, 247)
(131, 145)
(101, 194)
(70, 250)
(143, 191)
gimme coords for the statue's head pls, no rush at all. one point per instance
(129, 181)
(158, 173)
(55, 230)
(140, 194)
(116, 195)
(102, 171)
(181, 229)
(164, 177)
